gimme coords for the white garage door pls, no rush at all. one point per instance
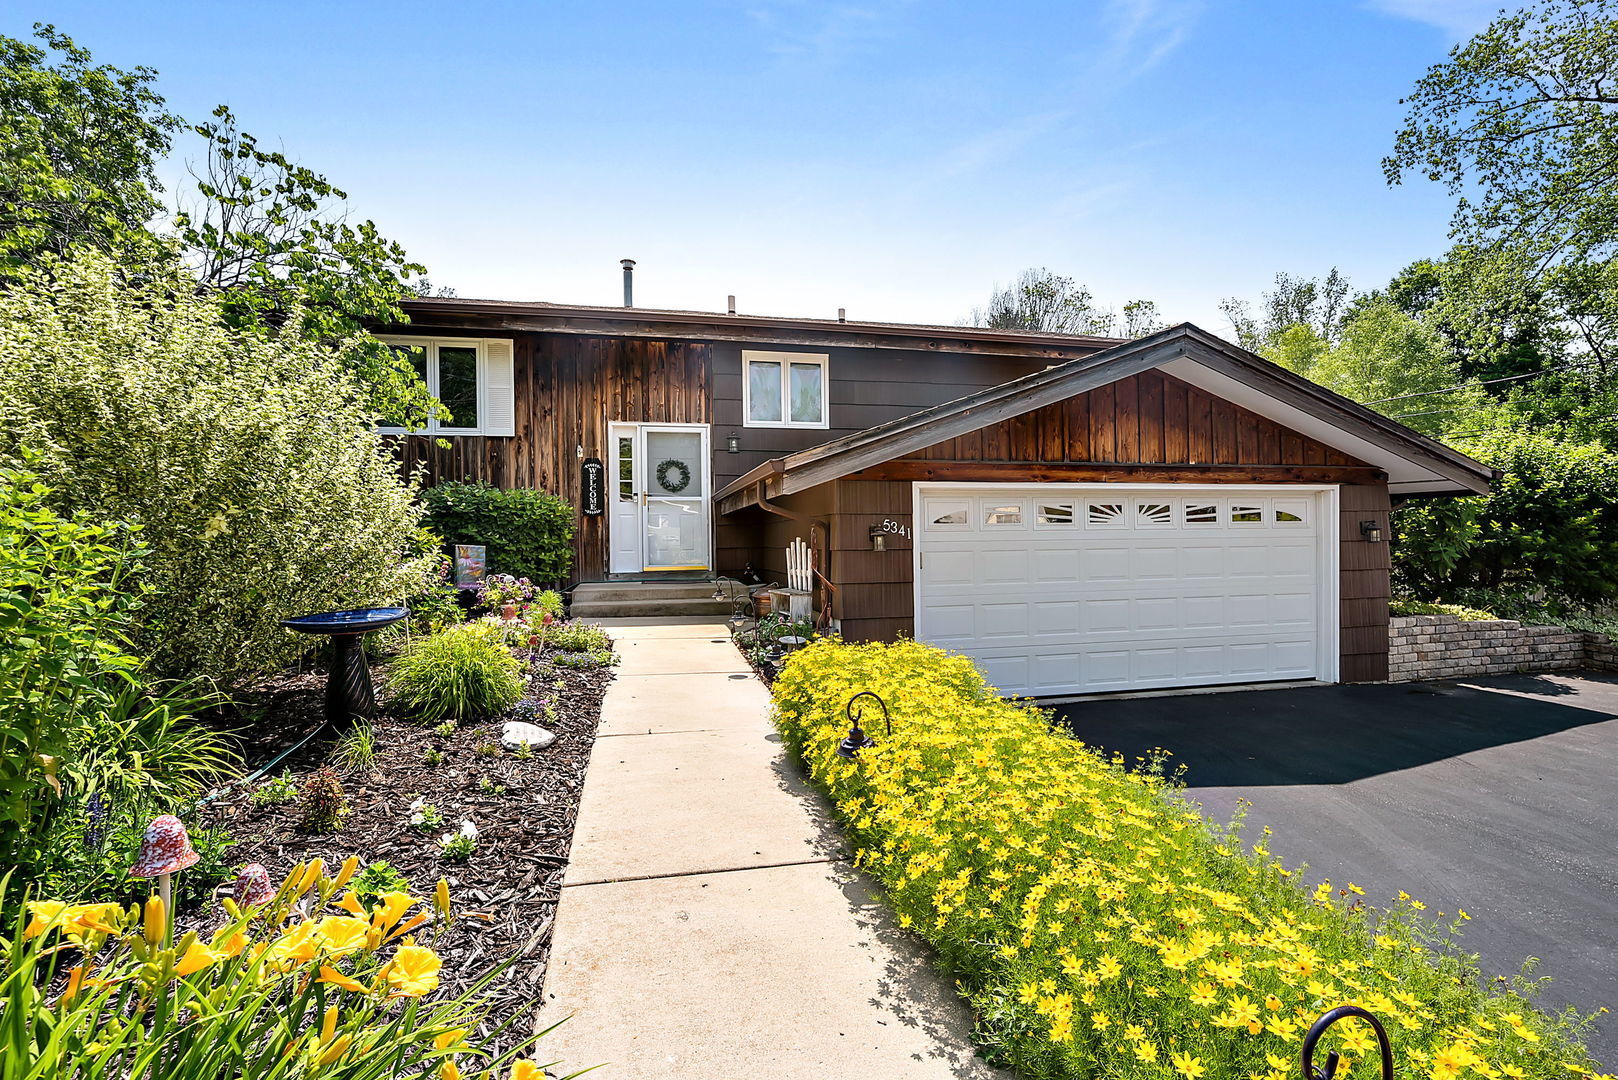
(1076, 589)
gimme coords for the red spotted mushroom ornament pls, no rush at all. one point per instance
(252, 886)
(165, 850)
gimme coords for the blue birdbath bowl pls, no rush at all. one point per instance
(348, 687)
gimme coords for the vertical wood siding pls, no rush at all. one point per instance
(1145, 419)
(568, 388)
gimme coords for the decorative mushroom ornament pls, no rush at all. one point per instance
(165, 850)
(252, 886)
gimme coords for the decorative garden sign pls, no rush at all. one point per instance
(592, 488)
(469, 565)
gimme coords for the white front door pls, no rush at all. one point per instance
(1072, 589)
(659, 518)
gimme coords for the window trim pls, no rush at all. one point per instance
(432, 345)
(785, 359)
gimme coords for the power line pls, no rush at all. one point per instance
(1464, 386)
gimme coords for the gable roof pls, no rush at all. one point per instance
(1415, 464)
(716, 326)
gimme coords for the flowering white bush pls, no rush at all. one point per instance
(251, 463)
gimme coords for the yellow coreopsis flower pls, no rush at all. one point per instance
(413, 971)
(1187, 1066)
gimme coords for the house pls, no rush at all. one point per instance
(1079, 514)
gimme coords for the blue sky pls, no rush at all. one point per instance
(898, 158)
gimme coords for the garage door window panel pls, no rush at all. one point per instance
(1105, 515)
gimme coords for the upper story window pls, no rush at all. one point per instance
(784, 389)
(472, 378)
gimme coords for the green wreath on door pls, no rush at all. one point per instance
(673, 485)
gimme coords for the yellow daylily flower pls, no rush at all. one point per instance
(342, 934)
(446, 1039)
(336, 978)
(351, 903)
(413, 971)
(345, 872)
(197, 956)
(394, 905)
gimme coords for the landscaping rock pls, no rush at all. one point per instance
(517, 733)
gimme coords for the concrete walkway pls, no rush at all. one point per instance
(710, 925)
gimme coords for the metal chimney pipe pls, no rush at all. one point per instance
(731, 303)
(629, 281)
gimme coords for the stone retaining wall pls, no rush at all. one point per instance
(1444, 647)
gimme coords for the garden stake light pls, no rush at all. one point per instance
(1342, 1012)
(856, 739)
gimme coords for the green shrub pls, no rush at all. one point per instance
(250, 461)
(1098, 924)
(528, 534)
(1403, 605)
(1551, 521)
(577, 637)
(276, 790)
(378, 878)
(463, 672)
(549, 602)
(322, 803)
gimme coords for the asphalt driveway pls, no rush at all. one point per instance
(1498, 796)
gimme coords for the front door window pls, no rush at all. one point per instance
(660, 517)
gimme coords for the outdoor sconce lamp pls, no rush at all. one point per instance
(733, 443)
(856, 739)
(1371, 532)
(879, 540)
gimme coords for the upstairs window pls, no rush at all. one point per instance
(472, 378)
(786, 390)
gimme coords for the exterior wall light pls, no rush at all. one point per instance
(733, 443)
(1371, 531)
(879, 539)
(856, 739)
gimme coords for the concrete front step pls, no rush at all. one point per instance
(639, 599)
(592, 591)
(663, 607)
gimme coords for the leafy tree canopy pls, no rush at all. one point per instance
(1054, 304)
(1520, 123)
(271, 238)
(78, 142)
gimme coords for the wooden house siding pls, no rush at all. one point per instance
(865, 387)
(568, 388)
(1145, 428)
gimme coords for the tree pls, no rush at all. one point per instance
(78, 145)
(1053, 304)
(1315, 303)
(273, 239)
(1520, 124)
(248, 457)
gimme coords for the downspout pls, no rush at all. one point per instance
(813, 522)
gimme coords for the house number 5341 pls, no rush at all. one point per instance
(891, 526)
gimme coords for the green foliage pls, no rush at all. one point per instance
(577, 637)
(1519, 124)
(322, 803)
(548, 602)
(378, 878)
(250, 461)
(78, 148)
(1052, 304)
(276, 790)
(90, 845)
(1536, 607)
(1396, 364)
(356, 750)
(462, 673)
(273, 238)
(529, 534)
(1551, 521)
(1403, 605)
(1099, 925)
(1317, 305)
(65, 608)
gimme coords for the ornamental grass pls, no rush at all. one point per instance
(311, 982)
(1101, 927)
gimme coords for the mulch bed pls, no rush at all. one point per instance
(506, 893)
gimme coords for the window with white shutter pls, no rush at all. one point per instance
(474, 380)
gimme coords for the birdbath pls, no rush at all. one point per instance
(348, 687)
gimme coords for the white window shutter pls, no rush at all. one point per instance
(499, 388)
